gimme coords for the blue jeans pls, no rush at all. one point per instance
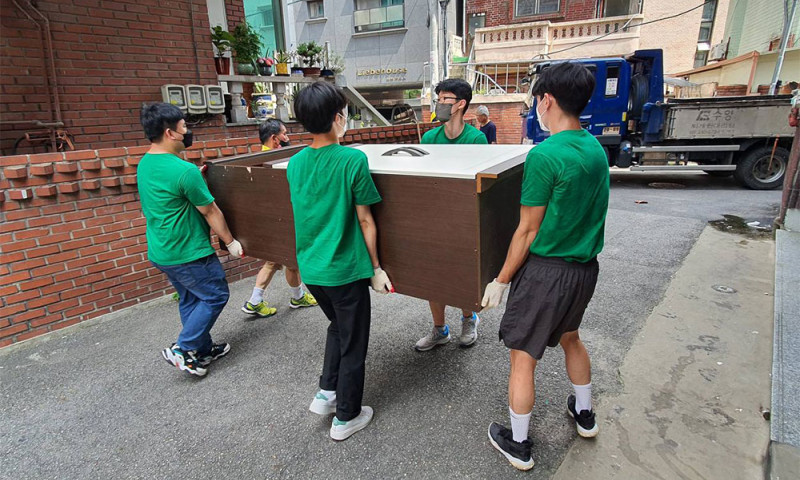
(203, 294)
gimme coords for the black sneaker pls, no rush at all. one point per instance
(518, 453)
(584, 421)
(218, 350)
(186, 361)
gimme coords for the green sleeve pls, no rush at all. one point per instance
(427, 137)
(480, 138)
(538, 180)
(194, 188)
(364, 190)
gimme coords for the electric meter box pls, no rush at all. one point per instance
(175, 95)
(197, 99)
(215, 98)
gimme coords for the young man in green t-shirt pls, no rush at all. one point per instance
(454, 96)
(336, 242)
(179, 210)
(552, 260)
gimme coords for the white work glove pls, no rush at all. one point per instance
(235, 249)
(380, 281)
(493, 294)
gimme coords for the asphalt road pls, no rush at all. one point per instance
(98, 401)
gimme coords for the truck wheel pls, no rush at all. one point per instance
(758, 171)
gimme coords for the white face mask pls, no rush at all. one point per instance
(343, 125)
(542, 126)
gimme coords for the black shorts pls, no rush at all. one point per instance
(547, 298)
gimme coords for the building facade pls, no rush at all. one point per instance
(524, 30)
(757, 25)
(385, 44)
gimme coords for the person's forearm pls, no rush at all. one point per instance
(216, 220)
(370, 232)
(517, 253)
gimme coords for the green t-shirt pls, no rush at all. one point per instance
(170, 189)
(470, 134)
(568, 173)
(326, 184)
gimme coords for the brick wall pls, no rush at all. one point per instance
(110, 57)
(505, 117)
(501, 12)
(72, 235)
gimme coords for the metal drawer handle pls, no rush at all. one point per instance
(413, 151)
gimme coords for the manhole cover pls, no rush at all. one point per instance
(665, 185)
(724, 289)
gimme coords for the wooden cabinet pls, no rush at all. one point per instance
(444, 225)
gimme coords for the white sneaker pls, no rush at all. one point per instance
(343, 430)
(469, 330)
(433, 339)
(322, 405)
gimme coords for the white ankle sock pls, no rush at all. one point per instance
(583, 397)
(257, 296)
(297, 292)
(519, 425)
(329, 394)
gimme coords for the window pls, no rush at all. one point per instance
(525, 8)
(705, 32)
(700, 58)
(708, 11)
(266, 17)
(316, 9)
(374, 15)
(618, 8)
(476, 21)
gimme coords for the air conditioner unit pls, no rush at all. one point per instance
(175, 95)
(718, 51)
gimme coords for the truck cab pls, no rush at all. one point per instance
(747, 137)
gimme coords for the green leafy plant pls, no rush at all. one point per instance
(246, 43)
(310, 52)
(282, 56)
(336, 63)
(221, 39)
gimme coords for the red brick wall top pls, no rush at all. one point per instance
(72, 239)
(501, 12)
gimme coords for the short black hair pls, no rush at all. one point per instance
(457, 87)
(316, 106)
(156, 118)
(269, 128)
(570, 83)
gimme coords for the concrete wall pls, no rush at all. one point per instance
(739, 73)
(676, 36)
(753, 23)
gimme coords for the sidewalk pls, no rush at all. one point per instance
(696, 378)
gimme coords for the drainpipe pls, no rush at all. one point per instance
(49, 39)
(44, 59)
(787, 26)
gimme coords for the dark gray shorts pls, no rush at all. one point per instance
(547, 298)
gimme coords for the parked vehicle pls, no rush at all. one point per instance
(747, 137)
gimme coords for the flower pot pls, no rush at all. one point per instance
(325, 72)
(245, 69)
(282, 69)
(264, 105)
(311, 72)
(297, 71)
(265, 70)
(223, 65)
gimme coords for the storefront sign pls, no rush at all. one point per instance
(380, 71)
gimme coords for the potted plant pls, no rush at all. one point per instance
(247, 45)
(221, 39)
(310, 51)
(282, 59)
(263, 101)
(265, 64)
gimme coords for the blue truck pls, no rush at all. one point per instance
(747, 137)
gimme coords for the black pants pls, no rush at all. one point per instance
(348, 309)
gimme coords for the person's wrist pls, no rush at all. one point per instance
(502, 280)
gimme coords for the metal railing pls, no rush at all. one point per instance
(488, 78)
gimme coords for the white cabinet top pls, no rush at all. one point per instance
(450, 161)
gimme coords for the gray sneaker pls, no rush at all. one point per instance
(469, 330)
(433, 339)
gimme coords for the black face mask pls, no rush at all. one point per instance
(187, 138)
(285, 144)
